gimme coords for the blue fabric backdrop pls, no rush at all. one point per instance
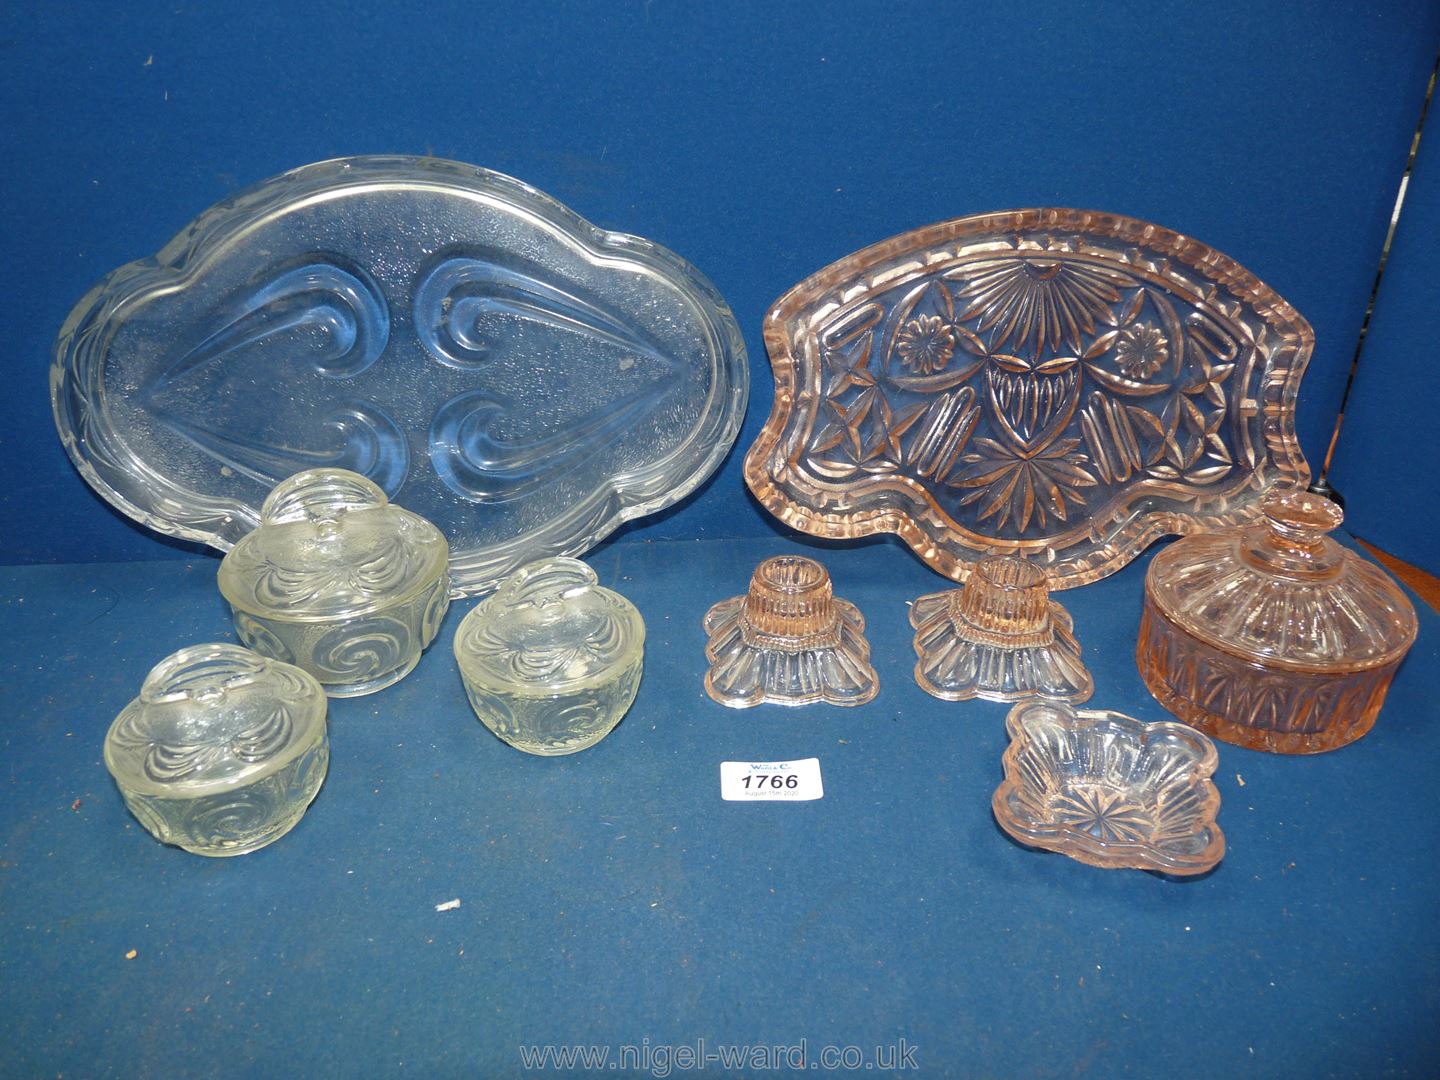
(761, 141)
(611, 898)
(1387, 462)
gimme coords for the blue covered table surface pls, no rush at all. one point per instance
(611, 904)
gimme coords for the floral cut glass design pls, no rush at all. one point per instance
(552, 661)
(338, 581)
(1274, 637)
(222, 751)
(1000, 637)
(788, 641)
(1109, 790)
(1058, 384)
(529, 380)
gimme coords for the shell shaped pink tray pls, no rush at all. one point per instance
(1059, 384)
(1109, 790)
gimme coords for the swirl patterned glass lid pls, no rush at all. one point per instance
(214, 718)
(1059, 384)
(551, 626)
(331, 545)
(530, 381)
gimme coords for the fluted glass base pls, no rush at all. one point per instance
(999, 638)
(788, 641)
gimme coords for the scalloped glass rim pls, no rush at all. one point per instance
(1170, 857)
(704, 377)
(1095, 541)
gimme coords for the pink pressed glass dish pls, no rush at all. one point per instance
(1061, 384)
(1110, 790)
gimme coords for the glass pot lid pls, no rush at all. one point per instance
(211, 718)
(1282, 593)
(331, 545)
(550, 627)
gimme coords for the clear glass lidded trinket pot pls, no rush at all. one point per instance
(222, 751)
(338, 581)
(1274, 637)
(551, 661)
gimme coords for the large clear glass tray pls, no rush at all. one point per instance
(494, 363)
(1059, 384)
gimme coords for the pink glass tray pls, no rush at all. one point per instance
(1060, 384)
